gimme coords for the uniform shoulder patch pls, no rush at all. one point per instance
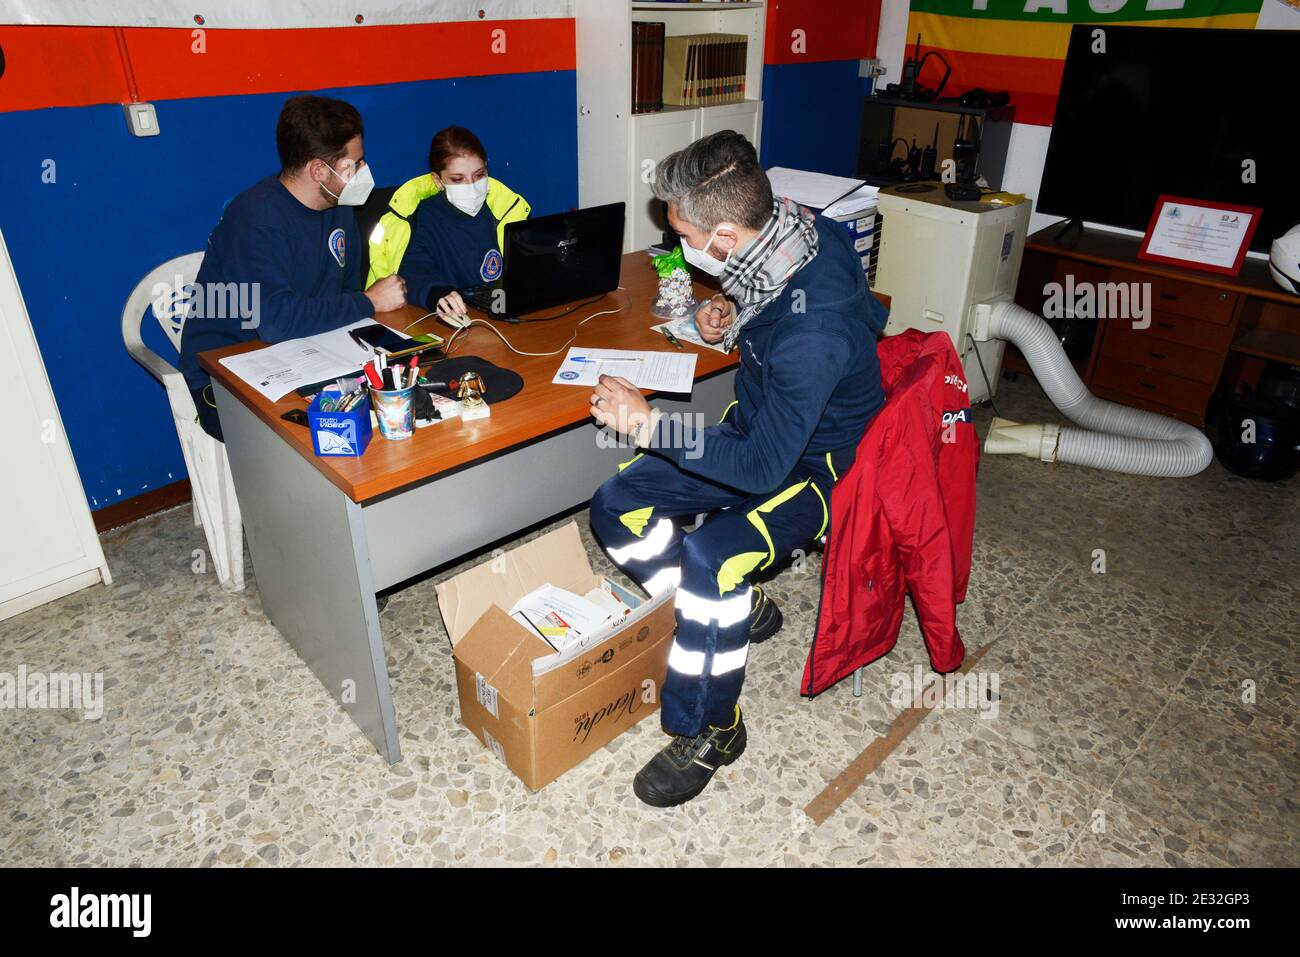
(338, 246)
(490, 270)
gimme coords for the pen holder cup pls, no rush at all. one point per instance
(339, 433)
(393, 410)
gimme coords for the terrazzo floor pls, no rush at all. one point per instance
(1121, 735)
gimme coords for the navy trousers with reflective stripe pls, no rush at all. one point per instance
(637, 516)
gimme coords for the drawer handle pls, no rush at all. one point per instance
(1165, 325)
(1157, 355)
(1146, 385)
(1169, 295)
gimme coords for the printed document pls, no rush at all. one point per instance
(280, 368)
(660, 371)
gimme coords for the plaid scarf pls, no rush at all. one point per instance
(755, 277)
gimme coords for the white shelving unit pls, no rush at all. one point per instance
(617, 149)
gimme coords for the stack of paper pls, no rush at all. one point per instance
(563, 618)
(859, 201)
(817, 190)
(279, 369)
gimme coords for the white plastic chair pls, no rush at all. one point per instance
(215, 505)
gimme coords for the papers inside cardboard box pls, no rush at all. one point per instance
(556, 559)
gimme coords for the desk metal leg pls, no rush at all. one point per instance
(312, 562)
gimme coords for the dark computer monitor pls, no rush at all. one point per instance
(1162, 111)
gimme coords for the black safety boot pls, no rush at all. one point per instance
(764, 618)
(683, 769)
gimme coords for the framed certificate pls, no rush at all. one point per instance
(1199, 234)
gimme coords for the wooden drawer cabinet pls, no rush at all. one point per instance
(1193, 299)
(1152, 385)
(1140, 347)
(1198, 320)
(1210, 336)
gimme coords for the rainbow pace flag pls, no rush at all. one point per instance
(1019, 45)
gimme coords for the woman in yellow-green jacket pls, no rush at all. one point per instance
(444, 231)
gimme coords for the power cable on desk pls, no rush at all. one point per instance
(482, 322)
(559, 315)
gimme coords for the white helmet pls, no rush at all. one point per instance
(1284, 260)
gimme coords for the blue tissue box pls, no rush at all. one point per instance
(339, 433)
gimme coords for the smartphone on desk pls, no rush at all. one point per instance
(381, 337)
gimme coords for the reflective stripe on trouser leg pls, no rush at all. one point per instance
(706, 666)
(718, 561)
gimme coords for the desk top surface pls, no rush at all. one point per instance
(540, 409)
(1106, 248)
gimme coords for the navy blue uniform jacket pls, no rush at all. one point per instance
(306, 264)
(808, 383)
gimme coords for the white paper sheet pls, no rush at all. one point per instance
(280, 368)
(817, 190)
(661, 371)
(864, 198)
(558, 615)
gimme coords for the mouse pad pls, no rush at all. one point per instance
(500, 384)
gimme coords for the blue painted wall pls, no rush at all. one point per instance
(120, 206)
(811, 114)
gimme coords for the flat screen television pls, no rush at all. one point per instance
(1175, 111)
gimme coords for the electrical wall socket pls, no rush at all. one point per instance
(141, 119)
(871, 67)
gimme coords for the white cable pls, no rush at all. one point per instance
(485, 324)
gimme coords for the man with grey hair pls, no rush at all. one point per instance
(796, 305)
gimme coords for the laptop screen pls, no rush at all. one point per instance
(563, 257)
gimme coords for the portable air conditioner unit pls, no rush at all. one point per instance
(939, 258)
(952, 267)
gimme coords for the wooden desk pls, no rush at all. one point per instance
(541, 407)
(326, 533)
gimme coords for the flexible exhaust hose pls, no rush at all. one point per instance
(1111, 436)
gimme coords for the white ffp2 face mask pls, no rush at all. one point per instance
(355, 190)
(467, 197)
(700, 258)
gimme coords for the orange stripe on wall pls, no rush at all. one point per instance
(85, 68)
(60, 66)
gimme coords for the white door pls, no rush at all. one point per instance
(48, 545)
(745, 117)
(654, 136)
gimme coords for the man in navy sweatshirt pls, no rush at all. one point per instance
(283, 262)
(797, 307)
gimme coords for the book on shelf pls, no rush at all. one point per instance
(703, 69)
(647, 66)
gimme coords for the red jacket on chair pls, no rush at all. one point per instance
(902, 517)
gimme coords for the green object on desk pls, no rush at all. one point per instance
(667, 263)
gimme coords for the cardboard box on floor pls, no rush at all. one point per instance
(538, 710)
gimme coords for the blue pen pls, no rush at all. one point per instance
(581, 359)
